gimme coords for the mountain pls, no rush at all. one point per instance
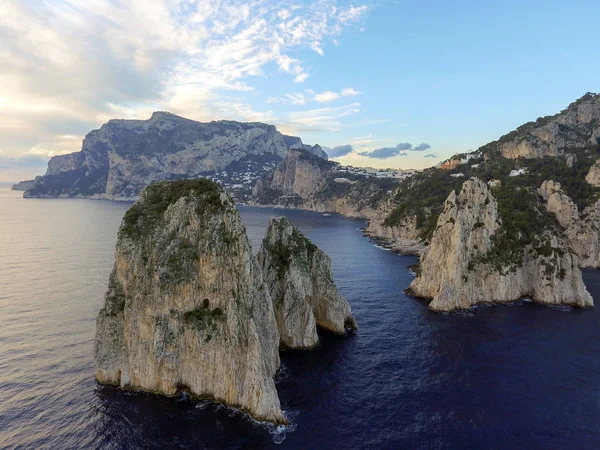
(563, 148)
(118, 160)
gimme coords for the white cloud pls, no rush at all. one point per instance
(349, 92)
(326, 97)
(329, 96)
(69, 65)
(327, 118)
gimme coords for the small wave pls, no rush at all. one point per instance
(280, 432)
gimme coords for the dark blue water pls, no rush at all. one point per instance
(521, 376)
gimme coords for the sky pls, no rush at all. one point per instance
(380, 83)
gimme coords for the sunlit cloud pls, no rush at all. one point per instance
(70, 65)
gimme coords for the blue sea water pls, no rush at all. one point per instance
(518, 376)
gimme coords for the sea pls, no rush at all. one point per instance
(505, 376)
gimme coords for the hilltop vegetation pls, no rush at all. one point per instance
(423, 196)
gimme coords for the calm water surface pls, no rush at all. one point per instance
(520, 376)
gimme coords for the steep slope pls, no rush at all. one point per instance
(479, 253)
(303, 181)
(300, 280)
(186, 306)
(118, 160)
(574, 128)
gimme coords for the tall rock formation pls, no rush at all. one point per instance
(118, 160)
(462, 266)
(576, 127)
(580, 230)
(186, 306)
(300, 280)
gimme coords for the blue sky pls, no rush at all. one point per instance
(359, 76)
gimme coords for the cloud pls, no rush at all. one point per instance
(70, 65)
(404, 146)
(384, 153)
(431, 155)
(329, 96)
(293, 99)
(349, 92)
(325, 97)
(422, 147)
(323, 119)
(340, 150)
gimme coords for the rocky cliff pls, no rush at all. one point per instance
(402, 236)
(573, 129)
(187, 308)
(304, 181)
(580, 230)
(23, 185)
(118, 160)
(477, 255)
(300, 280)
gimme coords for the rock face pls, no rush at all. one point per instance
(123, 156)
(455, 273)
(402, 238)
(303, 181)
(187, 307)
(593, 176)
(23, 185)
(575, 127)
(581, 231)
(300, 281)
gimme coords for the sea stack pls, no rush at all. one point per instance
(474, 257)
(187, 308)
(300, 280)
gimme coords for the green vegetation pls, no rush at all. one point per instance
(178, 256)
(524, 223)
(281, 254)
(424, 195)
(115, 296)
(147, 212)
(204, 319)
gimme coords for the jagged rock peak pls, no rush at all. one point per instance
(472, 259)
(186, 307)
(300, 281)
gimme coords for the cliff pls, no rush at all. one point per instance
(23, 185)
(306, 182)
(573, 129)
(580, 230)
(300, 280)
(187, 308)
(483, 252)
(118, 160)
(401, 237)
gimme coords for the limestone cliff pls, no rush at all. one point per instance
(574, 128)
(472, 259)
(187, 308)
(118, 160)
(300, 280)
(402, 237)
(580, 230)
(593, 176)
(303, 181)
(23, 185)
